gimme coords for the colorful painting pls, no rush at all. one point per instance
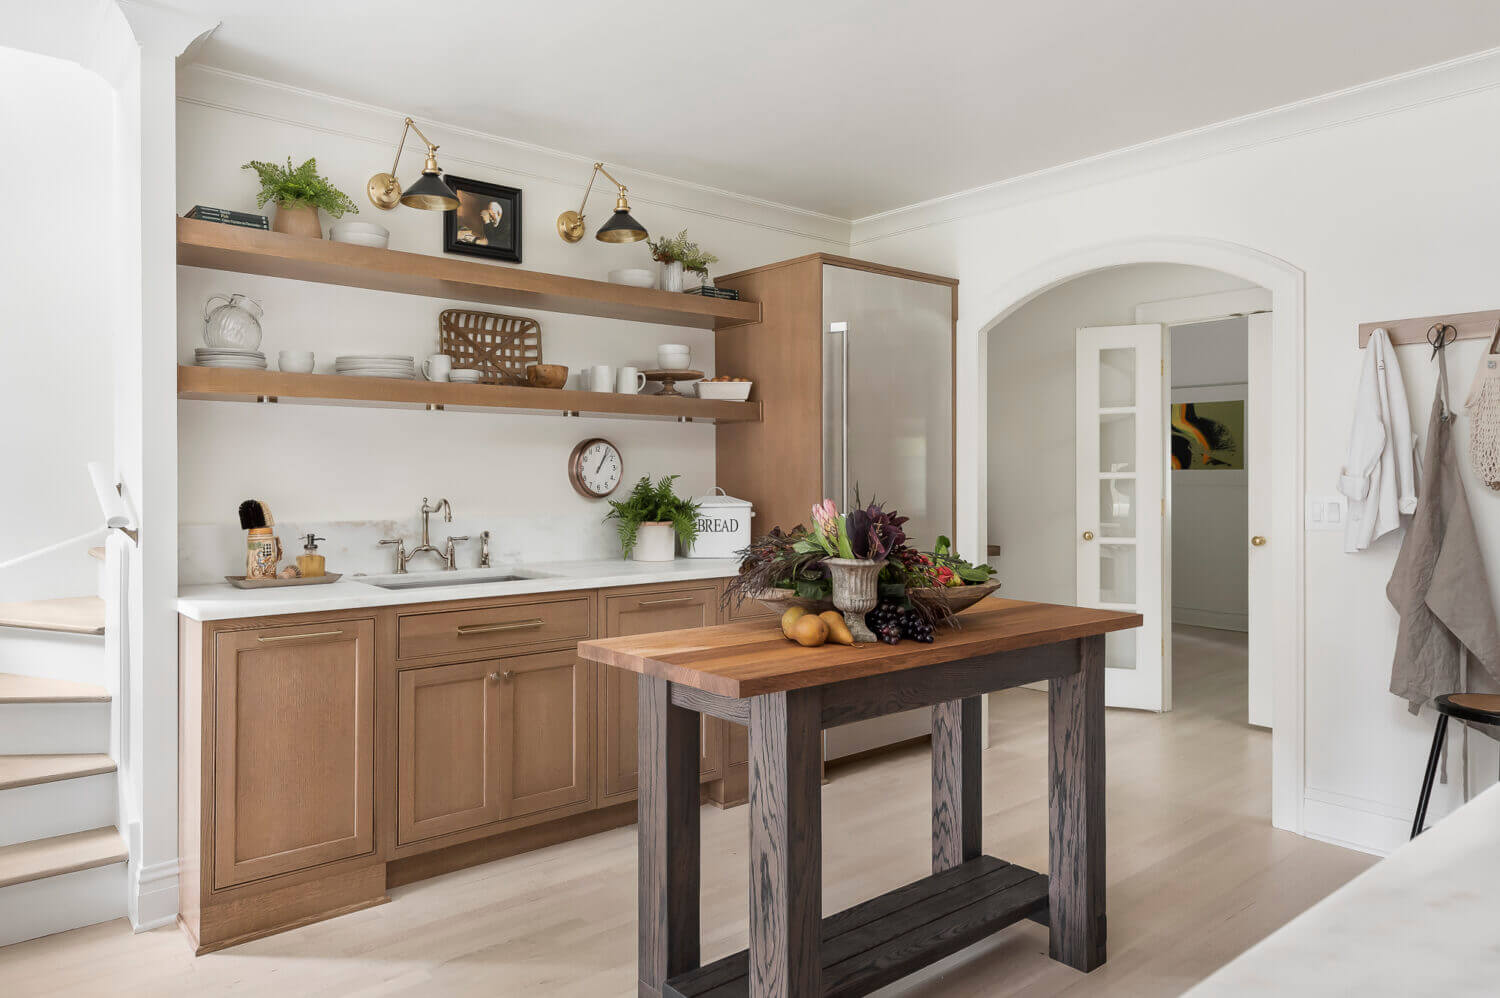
(1208, 436)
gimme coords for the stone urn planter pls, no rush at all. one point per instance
(297, 220)
(855, 591)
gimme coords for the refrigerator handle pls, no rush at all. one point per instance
(836, 423)
(844, 418)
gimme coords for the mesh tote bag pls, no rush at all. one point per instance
(1483, 406)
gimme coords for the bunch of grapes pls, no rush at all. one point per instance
(892, 621)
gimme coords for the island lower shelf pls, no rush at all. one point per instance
(220, 384)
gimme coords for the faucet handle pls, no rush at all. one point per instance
(451, 554)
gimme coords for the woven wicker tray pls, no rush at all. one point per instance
(498, 346)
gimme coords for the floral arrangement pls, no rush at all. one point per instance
(683, 250)
(793, 560)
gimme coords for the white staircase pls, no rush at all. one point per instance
(62, 858)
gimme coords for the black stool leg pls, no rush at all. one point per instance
(1432, 764)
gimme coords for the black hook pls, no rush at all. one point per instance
(1439, 335)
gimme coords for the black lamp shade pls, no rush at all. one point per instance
(430, 192)
(621, 228)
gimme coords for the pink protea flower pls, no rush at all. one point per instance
(825, 517)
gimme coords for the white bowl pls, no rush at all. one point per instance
(673, 356)
(360, 234)
(464, 375)
(295, 361)
(635, 277)
(729, 391)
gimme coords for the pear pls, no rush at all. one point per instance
(789, 618)
(809, 631)
(838, 630)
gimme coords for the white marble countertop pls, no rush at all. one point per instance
(1419, 922)
(221, 601)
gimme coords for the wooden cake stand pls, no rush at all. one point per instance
(669, 380)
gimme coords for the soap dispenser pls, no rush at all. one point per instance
(309, 562)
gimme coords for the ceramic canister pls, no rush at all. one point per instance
(262, 553)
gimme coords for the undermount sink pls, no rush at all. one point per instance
(443, 579)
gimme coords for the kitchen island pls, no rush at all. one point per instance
(787, 695)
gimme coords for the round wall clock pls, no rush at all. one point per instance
(595, 468)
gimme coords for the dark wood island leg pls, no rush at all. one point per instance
(1075, 794)
(956, 822)
(667, 806)
(786, 845)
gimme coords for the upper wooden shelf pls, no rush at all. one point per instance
(254, 251)
(223, 384)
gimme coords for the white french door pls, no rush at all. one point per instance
(1122, 445)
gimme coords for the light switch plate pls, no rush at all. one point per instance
(1326, 512)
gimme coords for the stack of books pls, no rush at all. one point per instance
(226, 217)
(728, 294)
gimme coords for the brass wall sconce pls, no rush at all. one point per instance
(620, 228)
(429, 192)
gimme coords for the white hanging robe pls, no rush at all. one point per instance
(1379, 476)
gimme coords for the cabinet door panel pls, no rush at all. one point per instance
(294, 723)
(447, 749)
(545, 723)
(642, 614)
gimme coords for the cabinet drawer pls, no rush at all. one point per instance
(492, 630)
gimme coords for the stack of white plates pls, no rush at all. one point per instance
(376, 366)
(219, 357)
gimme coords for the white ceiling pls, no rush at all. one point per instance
(837, 106)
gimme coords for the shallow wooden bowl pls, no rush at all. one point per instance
(781, 600)
(547, 375)
(960, 598)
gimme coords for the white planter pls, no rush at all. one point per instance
(671, 276)
(654, 542)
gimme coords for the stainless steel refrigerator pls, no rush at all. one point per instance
(888, 423)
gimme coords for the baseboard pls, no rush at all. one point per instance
(1353, 823)
(1221, 620)
(153, 895)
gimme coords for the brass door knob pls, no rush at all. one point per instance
(1088, 535)
(1258, 541)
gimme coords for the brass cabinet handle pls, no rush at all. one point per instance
(495, 677)
(517, 625)
(1088, 535)
(667, 602)
(1258, 541)
(268, 638)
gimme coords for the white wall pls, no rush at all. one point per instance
(1210, 509)
(56, 343)
(333, 466)
(1032, 511)
(1382, 227)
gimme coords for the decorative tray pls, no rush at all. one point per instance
(240, 582)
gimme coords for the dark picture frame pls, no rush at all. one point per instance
(470, 229)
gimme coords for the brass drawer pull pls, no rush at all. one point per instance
(518, 625)
(668, 602)
(495, 677)
(268, 638)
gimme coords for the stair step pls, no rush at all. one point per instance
(30, 770)
(34, 689)
(61, 854)
(72, 615)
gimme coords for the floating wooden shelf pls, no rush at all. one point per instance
(254, 251)
(233, 385)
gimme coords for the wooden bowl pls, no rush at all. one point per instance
(960, 598)
(547, 375)
(781, 600)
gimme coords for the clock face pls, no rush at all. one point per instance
(595, 468)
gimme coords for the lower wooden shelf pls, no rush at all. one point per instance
(881, 940)
(222, 384)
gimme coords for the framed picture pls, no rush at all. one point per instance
(1208, 428)
(487, 222)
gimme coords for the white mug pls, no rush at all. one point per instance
(437, 367)
(601, 378)
(630, 381)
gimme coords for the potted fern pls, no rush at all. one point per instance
(651, 517)
(298, 192)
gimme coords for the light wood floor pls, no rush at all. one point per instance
(1196, 875)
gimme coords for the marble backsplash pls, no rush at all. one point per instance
(209, 551)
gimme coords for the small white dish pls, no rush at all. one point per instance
(360, 234)
(295, 361)
(673, 357)
(728, 391)
(635, 277)
(464, 375)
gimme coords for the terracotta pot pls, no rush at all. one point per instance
(297, 220)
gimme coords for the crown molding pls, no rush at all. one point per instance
(1443, 81)
(236, 93)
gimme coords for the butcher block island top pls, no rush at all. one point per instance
(750, 659)
(787, 696)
